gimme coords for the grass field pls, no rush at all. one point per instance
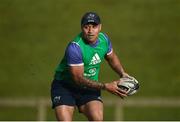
(145, 35)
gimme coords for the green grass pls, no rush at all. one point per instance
(18, 114)
(151, 113)
(34, 33)
(129, 114)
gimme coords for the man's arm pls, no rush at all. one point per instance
(115, 64)
(77, 75)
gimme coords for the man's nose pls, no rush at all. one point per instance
(90, 29)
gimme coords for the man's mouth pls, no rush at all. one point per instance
(90, 35)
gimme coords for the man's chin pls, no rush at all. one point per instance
(91, 40)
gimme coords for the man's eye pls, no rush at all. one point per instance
(86, 27)
(94, 26)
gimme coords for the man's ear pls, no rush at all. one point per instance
(100, 27)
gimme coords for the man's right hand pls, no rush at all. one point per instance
(114, 89)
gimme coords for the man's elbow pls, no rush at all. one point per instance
(77, 79)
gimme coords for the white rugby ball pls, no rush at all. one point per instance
(130, 85)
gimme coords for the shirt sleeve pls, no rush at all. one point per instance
(109, 45)
(74, 55)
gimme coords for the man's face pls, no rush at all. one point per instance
(90, 32)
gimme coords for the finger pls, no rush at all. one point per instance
(130, 77)
(116, 82)
(122, 91)
(121, 94)
(127, 76)
(122, 97)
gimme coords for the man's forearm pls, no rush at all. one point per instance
(116, 65)
(90, 83)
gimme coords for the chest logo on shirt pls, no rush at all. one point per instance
(95, 59)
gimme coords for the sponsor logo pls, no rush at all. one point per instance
(92, 72)
(95, 59)
(56, 99)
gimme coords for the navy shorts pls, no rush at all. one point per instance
(63, 94)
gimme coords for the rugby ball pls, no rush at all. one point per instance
(129, 84)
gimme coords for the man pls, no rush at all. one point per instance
(76, 78)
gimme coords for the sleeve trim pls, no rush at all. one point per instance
(110, 52)
(76, 43)
(81, 64)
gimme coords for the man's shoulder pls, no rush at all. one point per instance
(103, 36)
(101, 33)
(75, 44)
(77, 38)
